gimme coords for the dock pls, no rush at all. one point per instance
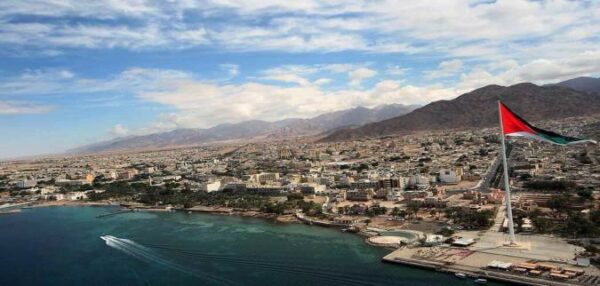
(407, 256)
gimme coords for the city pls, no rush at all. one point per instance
(429, 190)
(312, 142)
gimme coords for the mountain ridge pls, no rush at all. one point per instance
(478, 109)
(250, 129)
(582, 83)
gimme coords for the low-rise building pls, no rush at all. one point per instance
(359, 195)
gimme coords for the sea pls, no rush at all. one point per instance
(64, 245)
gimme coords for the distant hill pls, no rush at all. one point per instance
(291, 127)
(478, 109)
(583, 84)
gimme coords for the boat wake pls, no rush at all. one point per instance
(145, 254)
(151, 253)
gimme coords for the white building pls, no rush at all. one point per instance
(447, 176)
(48, 190)
(74, 196)
(211, 186)
(419, 181)
(394, 195)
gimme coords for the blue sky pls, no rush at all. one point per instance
(78, 72)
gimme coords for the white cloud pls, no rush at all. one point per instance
(453, 28)
(44, 81)
(232, 70)
(445, 69)
(357, 76)
(119, 130)
(202, 104)
(60, 81)
(289, 74)
(315, 74)
(20, 107)
(396, 70)
(539, 71)
(322, 81)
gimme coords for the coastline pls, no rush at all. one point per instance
(392, 257)
(288, 218)
(246, 239)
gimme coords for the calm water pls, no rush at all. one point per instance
(62, 246)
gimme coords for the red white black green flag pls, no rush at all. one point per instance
(513, 125)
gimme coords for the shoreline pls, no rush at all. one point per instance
(390, 258)
(289, 218)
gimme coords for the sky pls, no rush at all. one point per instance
(76, 72)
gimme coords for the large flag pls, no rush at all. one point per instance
(513, 125)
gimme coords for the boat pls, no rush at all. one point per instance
(481, 281)
(460, 275)
(351, 229)
(107, 237)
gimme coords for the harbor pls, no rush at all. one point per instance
(503, 264)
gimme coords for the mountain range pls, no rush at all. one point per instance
(478, 108)
(583, 84)
(475, 109)
(254, 129)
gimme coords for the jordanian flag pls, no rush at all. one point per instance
(513, 125)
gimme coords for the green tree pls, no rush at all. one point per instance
(559, 204)
(413, 208)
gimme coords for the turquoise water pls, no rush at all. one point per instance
(62, 246)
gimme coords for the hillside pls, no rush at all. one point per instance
(583, 84)
(479, 109)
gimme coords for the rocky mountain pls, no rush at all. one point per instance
(251, 130)
(583, 84)
(478, 109)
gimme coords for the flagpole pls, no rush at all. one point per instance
(511, 229)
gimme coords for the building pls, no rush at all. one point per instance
(264, 178)
(25, 184)
(394, 182)
(419, 181)
(266, 190)
(345, 220)
(394, 195)
(447, 176)
(312, 189)
(364, 184)
(210, 186)
(74, 196)
(285, 154)
(381, 193)
(359, 195)
(410, 195)
(48, 190)
(126, 175)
